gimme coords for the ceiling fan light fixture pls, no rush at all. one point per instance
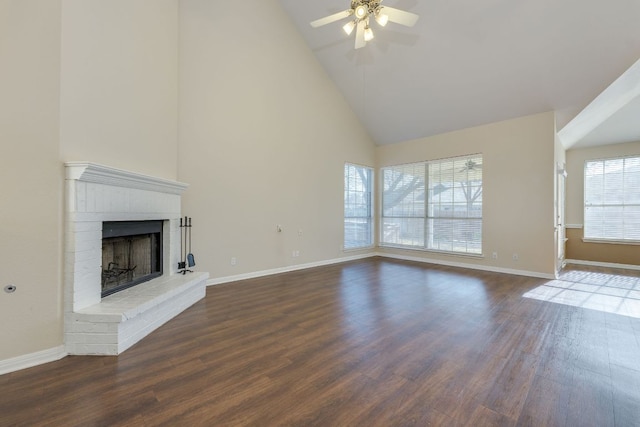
(359, 14)
(348, 27)
(368, 34)
(381, 18)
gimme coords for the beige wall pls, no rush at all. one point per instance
(88, 80)
(119, 85)
(576, 248)
(518, 193)
(264, 135)
(31, 177)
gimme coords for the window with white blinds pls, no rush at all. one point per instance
(358, 211)
(435, 205)
(612, 199)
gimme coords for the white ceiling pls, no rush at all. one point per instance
(612, 117)
(624, 126)
(471, 62)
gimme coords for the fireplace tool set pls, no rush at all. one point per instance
(186, 259)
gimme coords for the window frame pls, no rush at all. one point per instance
(428, 219)
(367, 218)
(588, 204)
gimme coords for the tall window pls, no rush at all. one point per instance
(358, 212)
(434, 205)
(612, 199)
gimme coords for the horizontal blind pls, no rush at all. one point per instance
(358, 212)
(455, 204)
(403, 205)
(612, 199)
(434, 205)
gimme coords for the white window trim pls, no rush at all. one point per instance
(611, 241)
(433, 251)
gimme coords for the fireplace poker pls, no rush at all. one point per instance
(182, 264)
(190, 258)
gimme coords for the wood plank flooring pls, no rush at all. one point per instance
(375, 342)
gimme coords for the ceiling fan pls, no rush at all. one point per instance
(471, 165)
(360, 12)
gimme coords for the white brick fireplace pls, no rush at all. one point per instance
(110, 325)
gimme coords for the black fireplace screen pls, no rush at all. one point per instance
(131, 254)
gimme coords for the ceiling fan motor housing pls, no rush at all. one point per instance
(363, 8)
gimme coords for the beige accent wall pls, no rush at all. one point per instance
(119, 84)
(576, 248)
(600, 252)
(31, 177)
(264, 135)
(518, 188)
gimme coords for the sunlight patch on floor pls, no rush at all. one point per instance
(609, 293)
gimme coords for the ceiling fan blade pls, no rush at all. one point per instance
(400, 16)
(360, 41)
(332, 18)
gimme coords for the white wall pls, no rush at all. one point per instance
(518, 189)
(119, 84)
(31, 177)
(264, 135)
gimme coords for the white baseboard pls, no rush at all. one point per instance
(602, 264)
(256, 274)
(32, 359)
(471, 266)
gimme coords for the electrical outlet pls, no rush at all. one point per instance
(515, 257)
(494, 255)
(234, 261)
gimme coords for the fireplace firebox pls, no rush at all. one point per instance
(131, 254)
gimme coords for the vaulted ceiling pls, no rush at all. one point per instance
(471, 62)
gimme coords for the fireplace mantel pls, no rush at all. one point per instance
(96, 194)
(100, 174)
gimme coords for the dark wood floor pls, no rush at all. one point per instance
(369, 343)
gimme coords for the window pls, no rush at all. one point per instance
(612, 199)
(358, 213)
(434, 205)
